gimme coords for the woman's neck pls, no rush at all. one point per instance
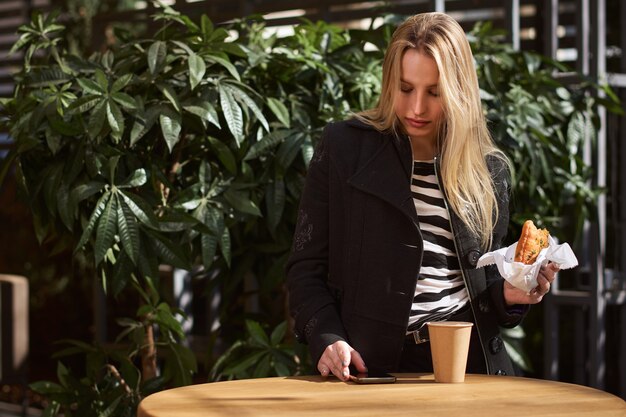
(423, 150)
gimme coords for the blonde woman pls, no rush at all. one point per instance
(399, 204)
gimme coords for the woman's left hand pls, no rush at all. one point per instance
(513, 295)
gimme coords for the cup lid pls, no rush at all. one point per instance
(450, 323)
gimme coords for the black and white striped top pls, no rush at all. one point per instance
(440, 290)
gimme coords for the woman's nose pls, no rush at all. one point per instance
(419, 105)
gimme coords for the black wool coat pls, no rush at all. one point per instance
(357, 252)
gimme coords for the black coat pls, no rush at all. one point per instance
(357, 252)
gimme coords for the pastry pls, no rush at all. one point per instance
(530, 243)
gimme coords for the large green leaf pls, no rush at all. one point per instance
(223, 61)
(171, 125)
(136, 179)
(167, 320)
(278, 333)
(128, 229)
(97, 119)
(171, 95)
(244, 364)
(91, 87)
(115, 119)
(206, 26)
(266, 143)
(197, 69)
(240, 201)
(107, 228)
(275, 197)
(288, 150)
(168, 252)
(121, 82)
(143, 123)
(262, 367)
(208, 244)
(121, 274)
(224, 154)
(225, 246)
(257, 334)
(140, 208)
(93, 219)
(578, 130)
(148, 264)
(280, 111)
(84, 103)
(124, 100)
(156, 56)
(232, 114)
(204, 110)
(240, 95)
(84, 191)
(46, 387)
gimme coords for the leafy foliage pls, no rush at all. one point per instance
(259, 355)
(543, 125)
(189, 148)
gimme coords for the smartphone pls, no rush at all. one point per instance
(373, 378)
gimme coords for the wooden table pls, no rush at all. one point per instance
(411, 395)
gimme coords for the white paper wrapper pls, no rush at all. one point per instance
(524, 276)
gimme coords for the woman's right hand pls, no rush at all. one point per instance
(337, 358)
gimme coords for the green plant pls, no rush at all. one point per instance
(259, 355)
(189, 149)
(542, 124)
(138, 156)
(182, 150)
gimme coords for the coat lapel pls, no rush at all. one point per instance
(387, 176)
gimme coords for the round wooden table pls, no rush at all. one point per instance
(411, 395)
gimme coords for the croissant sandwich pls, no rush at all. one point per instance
(530, 243)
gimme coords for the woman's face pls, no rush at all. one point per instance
(418, 105)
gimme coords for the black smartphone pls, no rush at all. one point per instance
(373, 378)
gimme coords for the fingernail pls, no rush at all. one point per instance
(345, 374)
(345, 363)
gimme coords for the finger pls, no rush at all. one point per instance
(535, 296)
(358, 362)
(335, 356)
(550, 270)
(345, 358)
(554, 266)
(548, 274)
(323, 368)
(538, 292)
(542, 282)
(328, 363)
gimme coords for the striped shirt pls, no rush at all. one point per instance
(440, 290)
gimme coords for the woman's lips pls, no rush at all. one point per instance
(417, 123)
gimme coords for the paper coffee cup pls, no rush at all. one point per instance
(449, 345)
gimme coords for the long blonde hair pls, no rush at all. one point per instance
(464, 140)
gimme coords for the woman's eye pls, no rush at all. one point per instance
(434, 93)
(406, 89)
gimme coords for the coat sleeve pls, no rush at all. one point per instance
(312, 304)
(508, 316)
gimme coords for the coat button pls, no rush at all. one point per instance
(483, 305)
(495, 345)
(500, 372)
(472, 257)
